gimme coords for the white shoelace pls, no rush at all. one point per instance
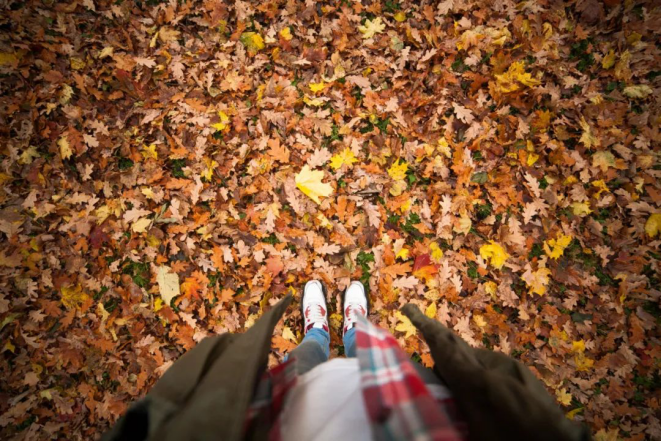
(316, 315)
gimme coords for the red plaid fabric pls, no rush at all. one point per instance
(397, 401)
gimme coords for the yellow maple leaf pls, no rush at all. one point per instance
(398, 170)
(372, 27)
(609, 59)
(168, 284)
(77, 63)
(604, 160)
(208, 172)
(73, 296)
(400, 16)
(317, 87)
(436, 253)
(494, 253)
(405, 325)
(252, 41)
(479, 321)
(286, 33)
(141, 225)
(149, 152)
(554, 248)
(490, 288)
(578, 346)
(223, 123)
(310, 183)
(444, 148)
(514, 77)
(7, 58)
(581, 209)
(652, 226)
(563, 397)
(65, 148)
(402, 254)
(537, 281)
(588, 138)
(583, 363)
(638, 91)
(344, 157)
(431, 311)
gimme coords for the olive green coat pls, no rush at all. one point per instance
(205, 394)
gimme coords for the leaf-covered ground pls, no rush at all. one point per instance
(170, 169)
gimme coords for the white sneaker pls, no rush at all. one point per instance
(355, 303)
(313, 307)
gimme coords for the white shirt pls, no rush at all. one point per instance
(327, 404)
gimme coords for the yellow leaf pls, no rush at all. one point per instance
(405, 325)
(317, 87)
(150, 152)
(141, 225)
(554, 248)
(286, 33)
(588, 138)
(532, 159)
(73, 296)
(570, 415)
(398, 187)
(479, 321)
(578, 346)
(372, 27)
(436, 253)
(313, 102)
(289, 335)
(514, 77)
(223, 123)
(609, 59)
(9, 346)
(398, 170)
(640, 91)
(431, 311)
(444, 148)
(601, 186)
(208, 172)
(652, 226)
(168, 284)
(65, 148)
(402, 254)
(494, 253)
(463, 225)
(400, 16)
(7, 58)
(310, 183)
(537, 281)
(77, 63)
(158, 304)
(604, 160)
(252, 41)
(490, 288)
(581, 209)
(563, 397)
(344, 157)
(583, 363)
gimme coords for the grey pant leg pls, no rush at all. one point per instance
(308, 355)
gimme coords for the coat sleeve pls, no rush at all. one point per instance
(498, 396)
(177, 383)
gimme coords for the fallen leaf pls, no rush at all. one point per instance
(310, 183)
(168, 284)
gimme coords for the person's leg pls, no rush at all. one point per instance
(349, 341)
(355, 303)
(314, 348)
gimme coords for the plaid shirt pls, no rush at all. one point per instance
(398, 403)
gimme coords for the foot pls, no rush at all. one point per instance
(314, 307)
(354, 304)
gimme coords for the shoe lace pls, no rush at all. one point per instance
(316, 314)
(354, 311)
